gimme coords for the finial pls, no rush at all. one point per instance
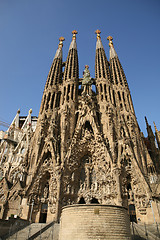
(18, 111)
(30, 111)
(98, 33)
(74, 32)
(61, 39)
(110, 41)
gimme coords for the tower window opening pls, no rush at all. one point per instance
(105, 90)
(52, 101)
(52, 74)
(88, 126)
(94, 88)
(71, 60)
(110, 93)
(57, 73)
(99, 64)
(119, 96)
(77, 114)
(101, 88)
(129, 102)
(68, 91)
(98, 117)
(114, 99)
(43, 103)
(124, 99)
(101, 97)
(58, 99)
(72, 91)
(48, 99)
(115, 76)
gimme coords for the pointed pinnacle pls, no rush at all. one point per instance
(155, 127)
(110, 41)
(61, 39)
(74, 32)
(146, 121)
(98, 33)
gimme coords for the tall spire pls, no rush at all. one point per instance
(73, 43)
(101, 62)
(157, 133)
(118, 76)
(71, 67)
(54, 78)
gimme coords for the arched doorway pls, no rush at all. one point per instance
(43, 213)
(94, 200)
(132, 213)
(82, 201)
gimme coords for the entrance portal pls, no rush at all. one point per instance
(43, 213)
(132, 213)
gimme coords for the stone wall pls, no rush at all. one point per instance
(94, 222)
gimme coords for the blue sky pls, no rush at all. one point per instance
(29, 33)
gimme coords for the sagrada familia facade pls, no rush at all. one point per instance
(86, 147)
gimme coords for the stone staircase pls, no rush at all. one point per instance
(142, 232)
(50, 231)
(33, 231)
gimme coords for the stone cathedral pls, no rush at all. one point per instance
(86, 148)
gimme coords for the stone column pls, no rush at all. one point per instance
(117, 172)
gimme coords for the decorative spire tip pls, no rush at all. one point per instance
(61, 39)
(30, 111)
(74, 32)
(98, 33)
(110, 41)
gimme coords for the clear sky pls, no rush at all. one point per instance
(29, 33)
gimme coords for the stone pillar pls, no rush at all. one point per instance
(117, 172)
(25, 209)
